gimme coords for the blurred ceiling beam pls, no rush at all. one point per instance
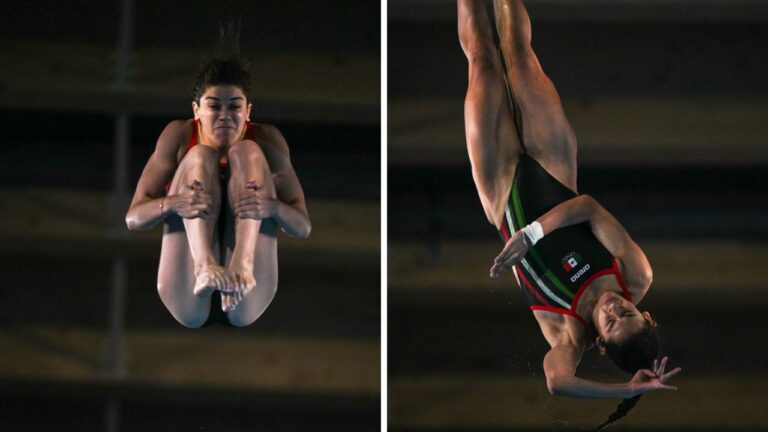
(163, 359)
(294, 87)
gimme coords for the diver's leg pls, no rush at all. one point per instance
(189, 253)
(492, 139)
(254, 258)
(547, 134)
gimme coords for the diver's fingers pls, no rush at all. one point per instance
(662, 366)
(500, 268)
(667, 376)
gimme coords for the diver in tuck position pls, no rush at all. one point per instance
(221, 186)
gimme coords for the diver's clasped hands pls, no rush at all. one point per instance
(646, 380)
(195, 202)
(512, 254)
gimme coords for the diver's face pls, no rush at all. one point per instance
(617, 318)
(222, 112)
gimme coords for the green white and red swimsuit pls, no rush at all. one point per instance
(556, 271)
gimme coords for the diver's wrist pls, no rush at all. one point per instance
(534, 232)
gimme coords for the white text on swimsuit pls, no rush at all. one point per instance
(579, 273)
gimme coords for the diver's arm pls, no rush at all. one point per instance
(288, 209)
(608, 231)
(146, 210)
(292, 215)
(560, 367)
(570, 212)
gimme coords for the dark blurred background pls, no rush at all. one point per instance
(668, 100)
(85, 343)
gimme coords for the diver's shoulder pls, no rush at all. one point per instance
(180, 125)
(179, 129)
(562, 330)
(176, 133)
(269, 136)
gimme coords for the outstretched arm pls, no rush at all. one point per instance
(609, 232)
(560, 368)
(289, 210)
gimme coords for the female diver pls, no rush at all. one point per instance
(580, 271)
(221, 186)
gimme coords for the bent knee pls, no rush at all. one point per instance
(246, 149)
(201, 154)
(247, 156)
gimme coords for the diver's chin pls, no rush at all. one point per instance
(607, 298)
(224, 138)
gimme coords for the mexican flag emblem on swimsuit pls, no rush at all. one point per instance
(570, 261)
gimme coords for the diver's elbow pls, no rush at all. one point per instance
(647, 278)
(649, 274)
(133, 223)
(130, 222)
(643, 279)
(305, 231)
(554, 386)
(300, 232)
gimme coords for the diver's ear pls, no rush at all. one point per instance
(600, 342)
(647, 316)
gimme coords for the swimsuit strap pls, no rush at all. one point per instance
(193, 138)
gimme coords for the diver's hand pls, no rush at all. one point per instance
(193, 202)
(513, 252)
(256, 203)
(646, 380)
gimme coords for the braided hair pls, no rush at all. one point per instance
(631, 355)
(227, 66)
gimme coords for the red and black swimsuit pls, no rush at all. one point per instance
(555, 272)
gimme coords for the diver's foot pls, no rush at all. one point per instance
(244, 274)
(230, 300)
(211, 277)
